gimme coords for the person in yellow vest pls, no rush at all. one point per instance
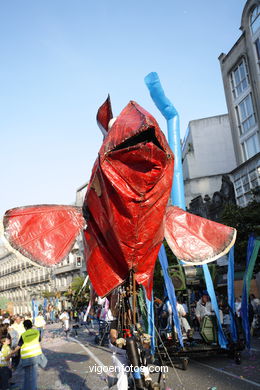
(5, 371)
(31, 355)
(40, 323)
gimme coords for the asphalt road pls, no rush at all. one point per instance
(216, 372)
(79, 364)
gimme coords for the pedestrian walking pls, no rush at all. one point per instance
(40, 323)
(14, 337)
(31, 355)
(5, 371)
(65, 318)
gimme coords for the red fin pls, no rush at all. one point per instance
(104, 115)
(196, 240)
(44, 234)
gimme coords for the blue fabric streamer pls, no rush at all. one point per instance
(171, 292)
(231, 297)
(221, 337)
(151, 328)
(45, 304)
(173, 129)
(163, 104)
(244, 305)
(244, 315)
(250, 248)
(35, 308)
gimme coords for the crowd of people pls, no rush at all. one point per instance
(20, 337)
(200, 306)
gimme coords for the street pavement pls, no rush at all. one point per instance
(79, 364)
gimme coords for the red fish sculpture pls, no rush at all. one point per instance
(125, 210)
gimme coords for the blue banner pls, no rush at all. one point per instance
(171, 292)
(250, 248)
(151, 328)
(231, 297)
(250, 257)
(45, 305)
(210, 287)
(35, 308)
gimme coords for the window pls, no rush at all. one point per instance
(257, 48)
(254, 183)
(239, 191)
(248, 197)
(252, 175)
(237, 183)
(252, 146)
(255, 19)
(246, 116)
(239, 79)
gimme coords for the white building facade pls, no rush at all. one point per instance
(207, 154)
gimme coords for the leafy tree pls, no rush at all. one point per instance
(47, 294)
(77, 294)
(246, 220)
(3, 303)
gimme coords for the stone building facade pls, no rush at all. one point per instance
(240, 69)
(20, 280)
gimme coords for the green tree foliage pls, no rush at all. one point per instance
(246, 220)
(77, 294)
(47, 294)
(3, 303)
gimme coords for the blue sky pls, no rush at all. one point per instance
(60, 59)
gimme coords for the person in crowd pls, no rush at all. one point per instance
(40, 323)
(81, 316)
(76, 315)
(5, 371)
(6, 318)
(203, 307)
(18, 324)
(182, 316)
(255, 302)
(52, 315)
(31, 355)
(65, 318)
(14, 338)
(3, 329)
(250, 314)
(238, 306)
(28, 316)
(47, 316)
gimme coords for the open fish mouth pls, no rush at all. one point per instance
(140, 161)
(146, 136)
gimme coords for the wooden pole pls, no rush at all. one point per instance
(134, 299)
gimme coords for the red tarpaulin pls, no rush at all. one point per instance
(126, 200)
(194, 239)
(44, 234)
(125, 211)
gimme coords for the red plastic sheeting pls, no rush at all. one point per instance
(104, 115)
(45, 234)
(126, 200)
(196, 240)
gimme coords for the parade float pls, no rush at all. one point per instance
(134, 199)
